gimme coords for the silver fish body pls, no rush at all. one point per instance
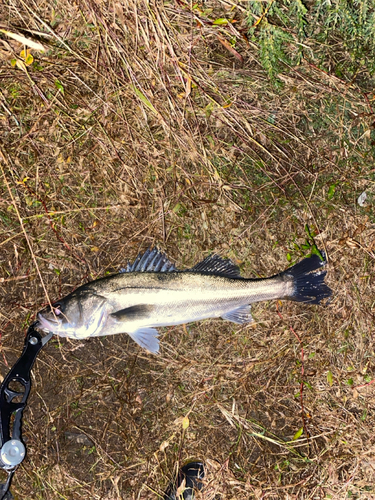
(152, 293)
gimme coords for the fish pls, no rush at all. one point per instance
(152, 293)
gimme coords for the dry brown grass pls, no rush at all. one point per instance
(139, 126)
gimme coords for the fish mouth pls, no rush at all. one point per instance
(46, 324)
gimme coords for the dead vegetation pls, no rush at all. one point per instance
(143, 123)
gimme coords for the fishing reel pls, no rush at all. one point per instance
(12, 448)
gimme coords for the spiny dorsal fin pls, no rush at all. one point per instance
(214, 264)
(150, 261)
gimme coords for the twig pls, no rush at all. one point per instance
(302, 374)
(365, 385)
(52, 225)
(23, 227)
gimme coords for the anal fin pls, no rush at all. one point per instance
(146, 338)
(240, 315)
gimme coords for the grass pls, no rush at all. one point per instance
(146, 124)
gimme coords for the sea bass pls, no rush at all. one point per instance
(151, 293)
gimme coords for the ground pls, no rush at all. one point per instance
(146, 124)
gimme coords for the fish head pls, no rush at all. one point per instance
(79, 315)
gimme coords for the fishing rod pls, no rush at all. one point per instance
(12, 448)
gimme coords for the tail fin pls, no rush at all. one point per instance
(308, 280)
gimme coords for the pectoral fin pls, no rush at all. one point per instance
(146, 338)
(140, 311)
(240, 315)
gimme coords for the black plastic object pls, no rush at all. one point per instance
(193, 473)
(12, 448)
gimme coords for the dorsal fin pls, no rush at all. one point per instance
(150, 261)
(214, 264)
